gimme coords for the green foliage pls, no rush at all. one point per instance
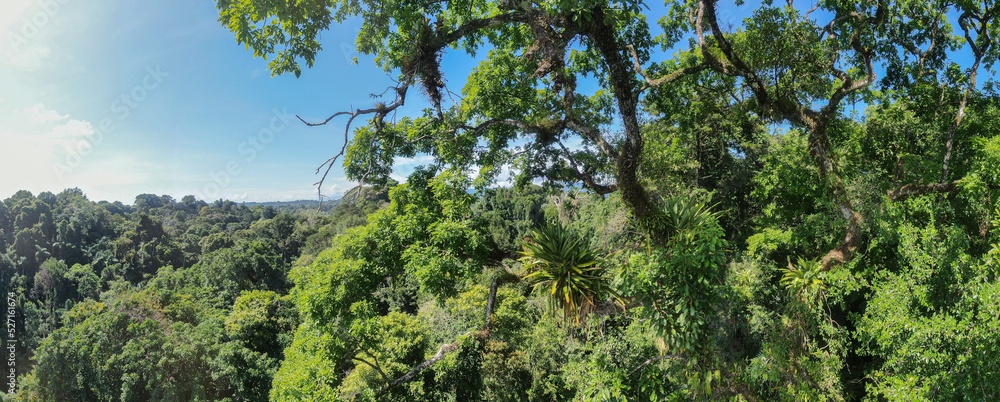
(102, 313)
(604, 219)
(509, 215)
(567, 270)
(262, 321)
(796, 217)
(246, 266)
(422, 245)
(124, 349)
(676, 283)
(930, 319)
(848, 252)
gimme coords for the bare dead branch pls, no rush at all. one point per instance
(322, 122)
(379, 112)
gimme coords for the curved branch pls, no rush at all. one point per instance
(849, 85)
(442, 351)
(674, 76)
(791, 109)
(594, 135)
(982, 32)
(382, 373)
(623, 85)
(481, 23)
(584, 176)
(911, 190)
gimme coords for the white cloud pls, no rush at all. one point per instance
(26, 30)
(43, 150)
(73, 129)
(12, 13)
(37, 114)
(33, 128)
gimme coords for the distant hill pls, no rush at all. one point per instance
(297, 205)
(328, 205)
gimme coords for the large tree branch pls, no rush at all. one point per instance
(848, 84)
(442, 351)
(593, 135)
(922, 56)
(584, 175)
(734, 64)
(789, 108)
(447, 37)
(911, 190)
(979, 50)
(623, 86)
(666, 79)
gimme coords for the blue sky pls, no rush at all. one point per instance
(123, 98)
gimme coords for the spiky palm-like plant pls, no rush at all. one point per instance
(804, 281)
(560, 262)
(683, 214)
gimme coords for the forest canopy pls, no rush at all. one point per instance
(798, 205)
(784, 242)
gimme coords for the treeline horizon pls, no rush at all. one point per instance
(187, 199)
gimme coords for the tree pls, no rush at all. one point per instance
(510, 215)
(130, 346)
(760, 118)
(541, 34)
(260, 326)
(253, 265)
(146, 202)
(358, 297)
(6, 227)
(805, 62)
